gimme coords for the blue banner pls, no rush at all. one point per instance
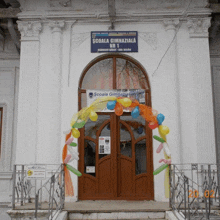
(114, 41)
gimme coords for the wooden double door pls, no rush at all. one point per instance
(116, 159)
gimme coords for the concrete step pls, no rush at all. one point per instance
(116, 209)
(117, 215)
(100, 209)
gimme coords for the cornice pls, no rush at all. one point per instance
(99, 15)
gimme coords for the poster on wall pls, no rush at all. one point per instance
(114, 41)
(138, 94)
(104, 145)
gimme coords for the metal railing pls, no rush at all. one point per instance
(43, 191)
(55, 188)
(194, 191)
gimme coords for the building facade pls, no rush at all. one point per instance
(43, 87)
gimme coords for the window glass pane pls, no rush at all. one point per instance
(125, 141)
(137, 125)
(140, 157)
(91, 127)
(83, 100)
(129, 76)
(89, 157)
(99, 76)
(106, 132)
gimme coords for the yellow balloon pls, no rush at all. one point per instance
(126, 102)
(93, 116)
(164, 130)
(75, 133)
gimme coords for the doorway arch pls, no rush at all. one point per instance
(126, 172)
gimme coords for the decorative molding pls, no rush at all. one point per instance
(171, 24)
(29, 30)
(56, 26)
(144, 5)
(5, 175)
(96, 9)
(149, 38)
(198, 27)
(60, 3)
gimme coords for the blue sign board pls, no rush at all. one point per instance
(114, 41)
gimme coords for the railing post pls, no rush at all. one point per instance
(22, 185)
(209, 187)
(184, 179)
(62, 195)
(36, 205)
(218, 181)
(188, 200)
(170, 173)
(174, 183)
(13, 187)
(51, 196)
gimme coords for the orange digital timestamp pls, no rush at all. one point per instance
(207, 194)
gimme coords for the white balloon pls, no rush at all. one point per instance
(73, 154)
(166, 149)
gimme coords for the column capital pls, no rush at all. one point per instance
(171, 24)
(29, 30)
(57, 26)
(198, 27)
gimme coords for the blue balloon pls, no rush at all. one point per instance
(135, 113)
(111, 105)
(160, 118)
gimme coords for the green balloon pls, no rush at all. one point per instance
(73, 170)
(79, 124)
(73, 144)
(158, 138)
(161, 168)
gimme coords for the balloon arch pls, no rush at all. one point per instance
(118, 104)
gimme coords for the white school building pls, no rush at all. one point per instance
(49, 61)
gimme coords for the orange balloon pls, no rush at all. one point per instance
(118, 109)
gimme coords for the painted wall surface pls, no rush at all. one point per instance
(9, 73)
(173, 49)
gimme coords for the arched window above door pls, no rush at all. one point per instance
(114, 72)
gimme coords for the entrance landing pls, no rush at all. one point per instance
(104, 206)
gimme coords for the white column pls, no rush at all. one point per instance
(202, 90)
(49, 115)
(166, 84)
(171, 90)
(28, 93)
